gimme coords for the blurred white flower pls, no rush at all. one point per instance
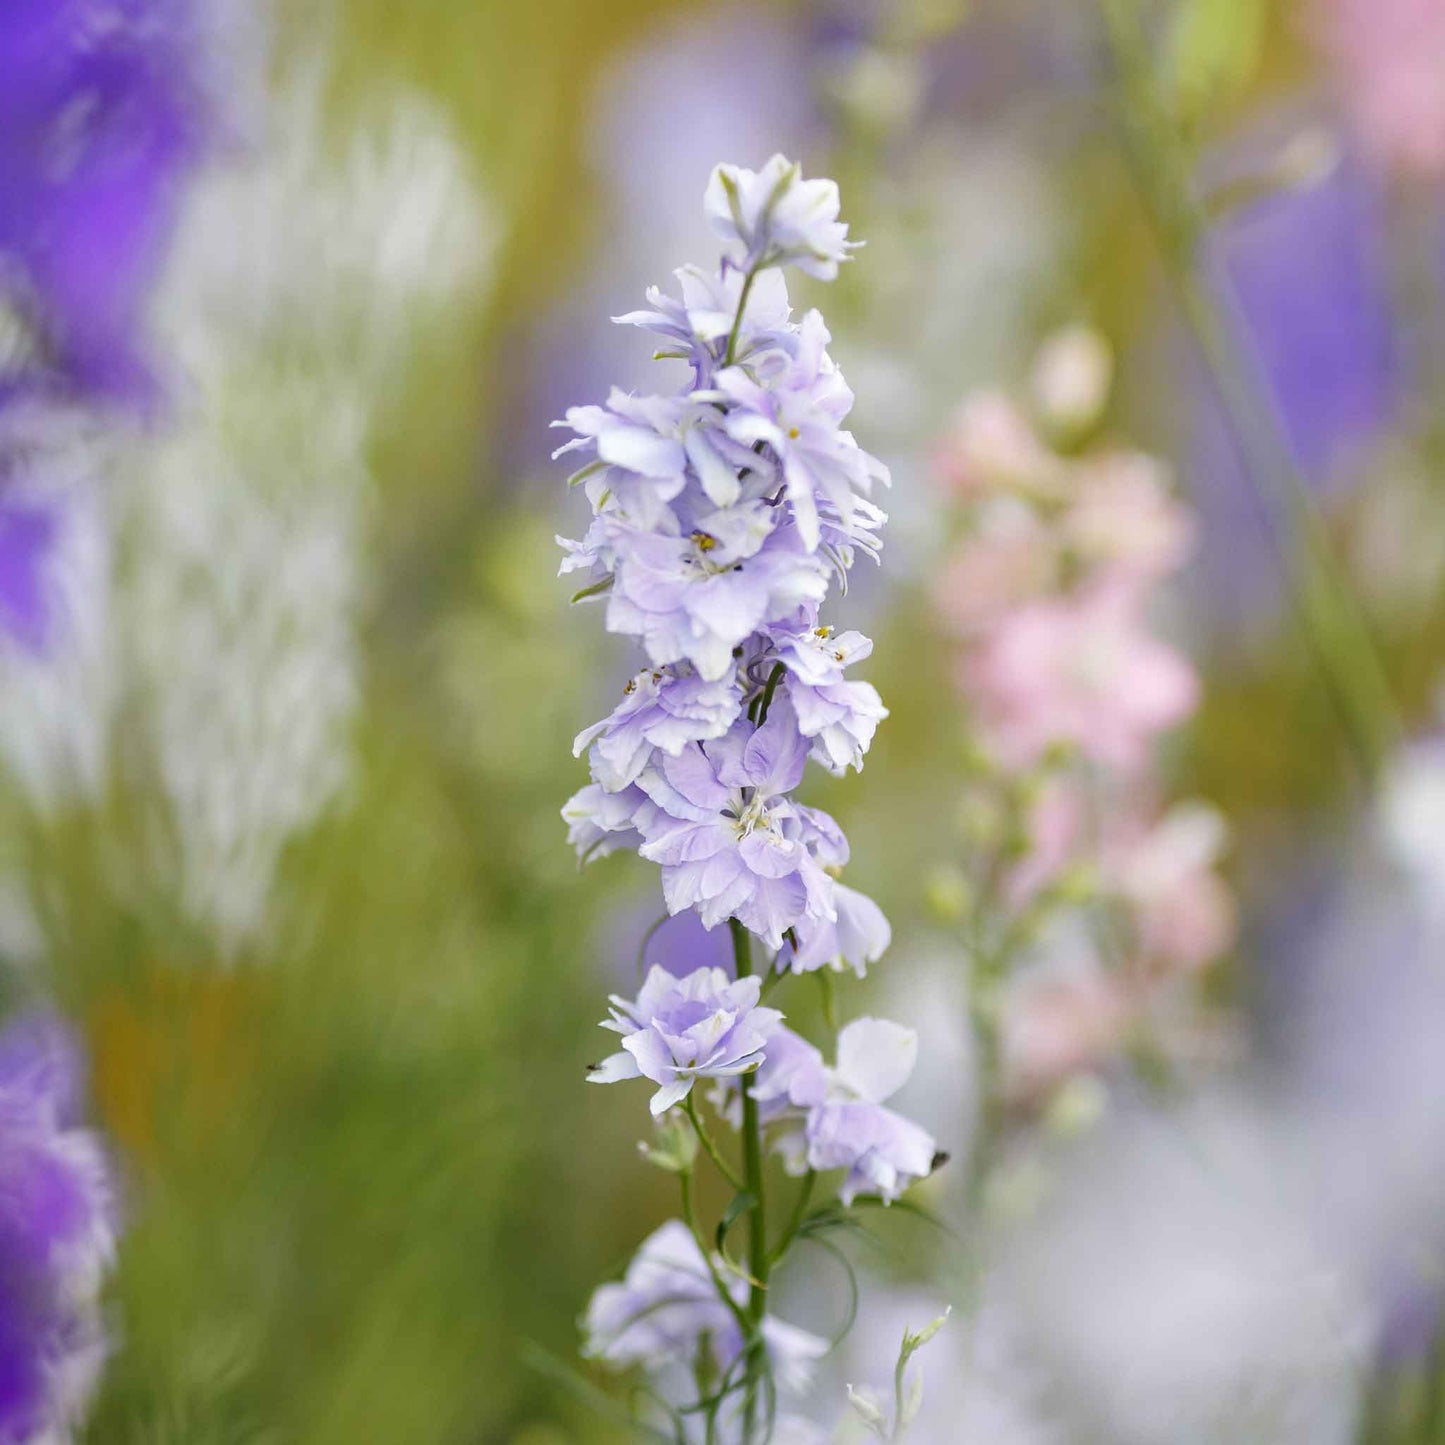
(58, 689)
(1412, 819)
(297, 280)
(1173, 1289)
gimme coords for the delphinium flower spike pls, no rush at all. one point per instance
(722, 514)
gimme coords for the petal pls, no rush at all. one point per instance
(876, 1058)
(668, 1095)
(614, 1069)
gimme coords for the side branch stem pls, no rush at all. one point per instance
(710, 1147)
(730, 355)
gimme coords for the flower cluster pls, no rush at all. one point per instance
(1048, 592)
(721, 513)
(57, 1233)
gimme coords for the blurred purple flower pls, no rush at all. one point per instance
(27, 533)
(100, 117)
(667, 1306)
(57, 1227)
(1309, 276)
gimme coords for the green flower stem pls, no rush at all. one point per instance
(731, 352)
(710, 1147)
(759, 1265)
(1329, 613)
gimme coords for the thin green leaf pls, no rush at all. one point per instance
(741, 1203)
(594, 590)
(582, 473)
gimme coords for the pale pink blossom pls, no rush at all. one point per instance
(1389, 58)
(1056, 834)
(1061, 1021)
(991, 444)
(1011, 558)
(1124, 517)
(1183, 913)
(1078, 672)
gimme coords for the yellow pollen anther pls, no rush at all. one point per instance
(793, 433)
(822, 632)
(703, 542)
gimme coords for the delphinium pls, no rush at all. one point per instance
(1090, 901)
(57, 1235)
(722, 514)
(104, 114)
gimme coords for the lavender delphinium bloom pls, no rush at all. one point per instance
(857, 935)
(57, 1232)
(659, 711)
(881, 1150)
(679, 1030)
(834, 1118)
(838, 714)
(798, 415)
(100, 117)
(731, 842)
(700, 324)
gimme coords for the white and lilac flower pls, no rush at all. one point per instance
(679, 1030)
(838, 715)
(600, 822)
(731, 842)
(857, 936)
(697, 594)
(835, 1118)
(791, 1080)
(700, 324)
(798, 413)
(659, 711)
(773, 216)
(657, 439)
(882, 1151)
(667, 1307)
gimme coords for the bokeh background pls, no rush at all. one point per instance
(288, 687)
